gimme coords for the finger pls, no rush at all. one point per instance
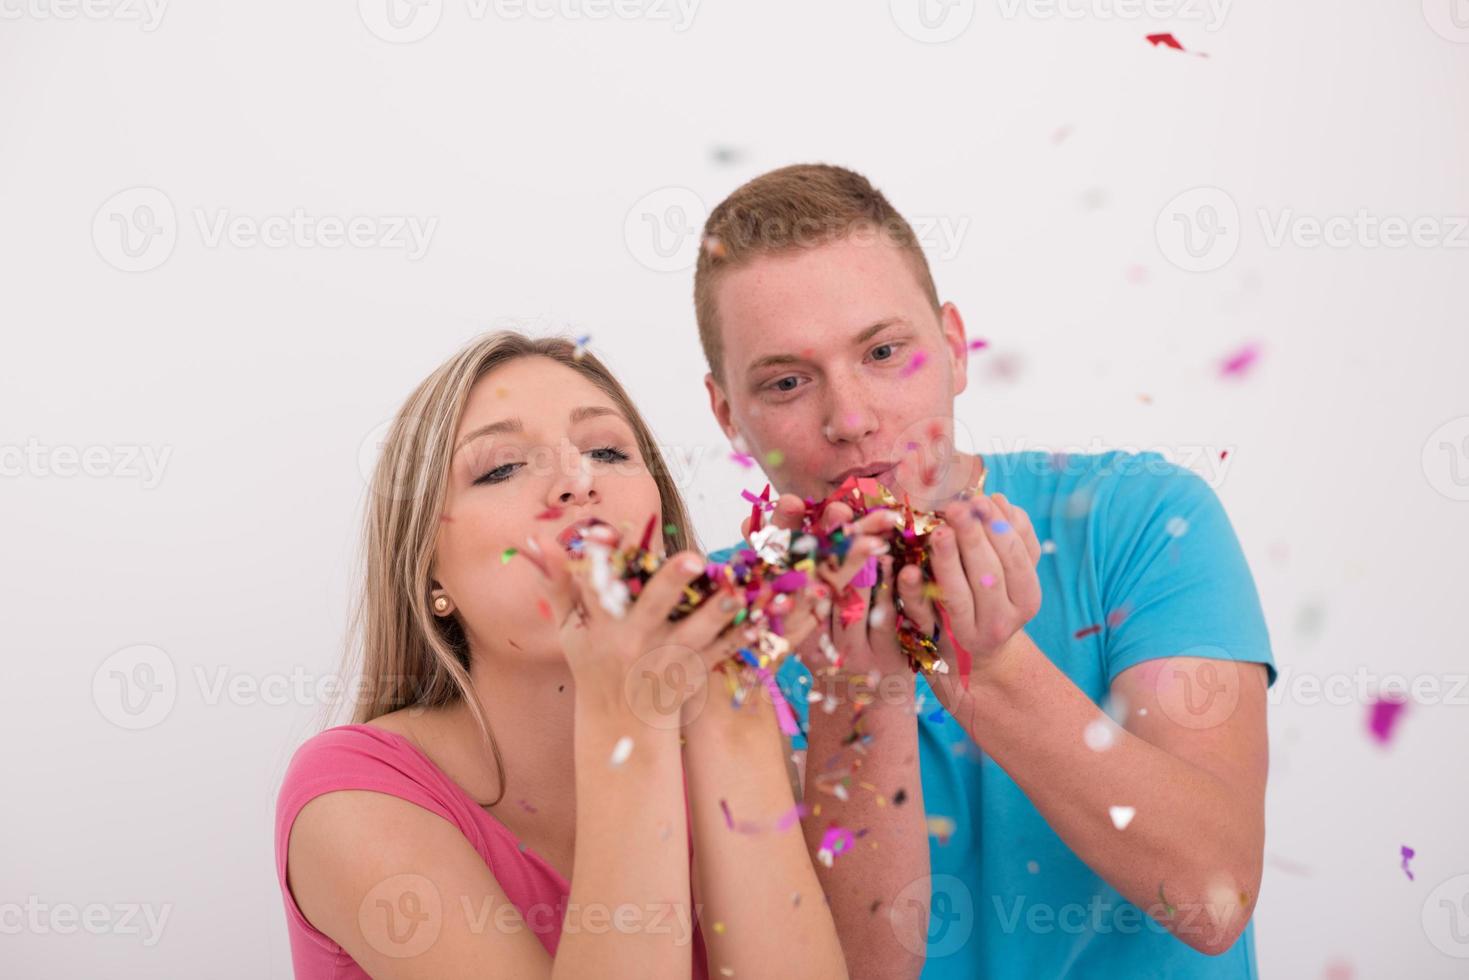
(1022, 588)
(835, 516)
(916, 604)
(948, 574)
(1020, 521)
(880, 522)
(983, 569)
(790, 511)
(708, 620)
(665, 590)
(864, 548)
(562, 593)
(883, 620)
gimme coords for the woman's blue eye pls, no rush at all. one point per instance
(499, 474)
(614, 455)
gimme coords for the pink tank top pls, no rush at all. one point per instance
(364, 757)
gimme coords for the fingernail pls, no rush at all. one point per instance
(691, 564)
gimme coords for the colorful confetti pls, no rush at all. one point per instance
(1167, 40)
(1383, 717)
(1407, 853)
(581, 346)
(1238, 364)
(743, 459)
(914, 365)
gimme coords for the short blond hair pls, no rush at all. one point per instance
(794, 207)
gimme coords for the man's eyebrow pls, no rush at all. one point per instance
(515, 425)
(862, 338)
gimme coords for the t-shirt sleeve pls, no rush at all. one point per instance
(1174, 579)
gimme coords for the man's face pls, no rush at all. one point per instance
(836, 363)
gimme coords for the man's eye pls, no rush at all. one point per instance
(609, 454)
(785, 384)
(878, 352)
(499, 474)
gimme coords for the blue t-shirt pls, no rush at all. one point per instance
(1133, 532)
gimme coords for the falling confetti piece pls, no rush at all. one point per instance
(941, 827)
(544, 608)
(719, 928)
(978, 344)
(726, 155)
(1168, 908)
(506, 555)
(1238, 364)
(1383, 718)
(774, 458)
(1000, 527)
(1137, 274)
(549, 514)
(1086, 631)
(987, 580)
(1100, 734)
(1116, 616)
(1033, 867)
(1167, 40)
(1121, 816)
(900, 797)
(743, 459)
(1222, 454)
(621, 751)
(1408, 853)
(1059, 136)
(837, 840)
(1048, 547)
(912, 367)
(581, 346)
(526, 806)
(1176, 527)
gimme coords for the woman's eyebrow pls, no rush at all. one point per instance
(510, 425)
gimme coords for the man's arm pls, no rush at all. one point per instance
(1191, 851)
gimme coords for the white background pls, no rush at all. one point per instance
(1051, 141)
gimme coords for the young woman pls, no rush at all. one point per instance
(535, 785)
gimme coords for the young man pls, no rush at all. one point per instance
(1009, 827)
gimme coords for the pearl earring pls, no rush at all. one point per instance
(441, 604)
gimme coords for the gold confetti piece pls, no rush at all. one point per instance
(719, 928)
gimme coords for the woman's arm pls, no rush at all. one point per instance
(408, 897)
(760, 904)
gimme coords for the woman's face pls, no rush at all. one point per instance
(539, 449)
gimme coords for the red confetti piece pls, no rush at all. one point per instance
(1383, 718)
(1087, 631)
(1223, 453)
(1167, 40)
(549, 514)
(1116, 616)
(544, 608)
(965, 658)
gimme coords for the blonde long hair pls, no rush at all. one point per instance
(410, 657)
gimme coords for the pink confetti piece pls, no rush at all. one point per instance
(783, 713)
(978, 344)
(791, 816)
(987, 580)
(1384, 715)
(912, 367)
(744, 460)
(836, 840)
(866, 576)
(1116, 616)
(1238, 364)
(1408, 853)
